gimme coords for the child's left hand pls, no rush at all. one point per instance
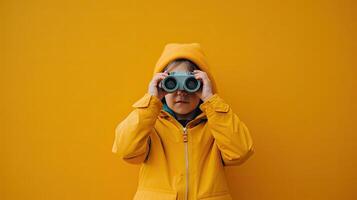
(206, 91)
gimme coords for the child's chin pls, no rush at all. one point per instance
(183, 111)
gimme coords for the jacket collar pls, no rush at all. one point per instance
(167, 113)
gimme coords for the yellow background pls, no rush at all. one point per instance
(70, 71)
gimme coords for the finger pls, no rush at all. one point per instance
(161, 74)
(202, 76)
(204, 80)
(198, 76)
(164, 74)
(202, 72)
(158, 78)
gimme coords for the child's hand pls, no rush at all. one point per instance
(154, 88)
(206, 91)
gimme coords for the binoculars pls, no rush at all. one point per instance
(180, 81)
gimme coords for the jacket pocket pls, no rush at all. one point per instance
(217, 196)
(142, 194)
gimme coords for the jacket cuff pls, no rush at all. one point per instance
(214, 104)
(148, 100)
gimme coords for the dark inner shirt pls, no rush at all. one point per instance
(183, 122)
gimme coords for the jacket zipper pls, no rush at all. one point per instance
(185, 140)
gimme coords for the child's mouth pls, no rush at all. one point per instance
(181, 102)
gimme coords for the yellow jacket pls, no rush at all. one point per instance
(178, 162)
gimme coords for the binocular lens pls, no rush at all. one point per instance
(170, 83)
(191, 83)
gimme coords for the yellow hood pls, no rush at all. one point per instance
(190, 51)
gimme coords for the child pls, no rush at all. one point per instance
(183, 140)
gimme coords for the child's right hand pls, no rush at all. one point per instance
(154, 88)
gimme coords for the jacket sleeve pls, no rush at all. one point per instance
(231, 135)
(132, 141)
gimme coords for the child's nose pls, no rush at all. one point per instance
(181, 92)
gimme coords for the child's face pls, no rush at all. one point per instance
(181, 102)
